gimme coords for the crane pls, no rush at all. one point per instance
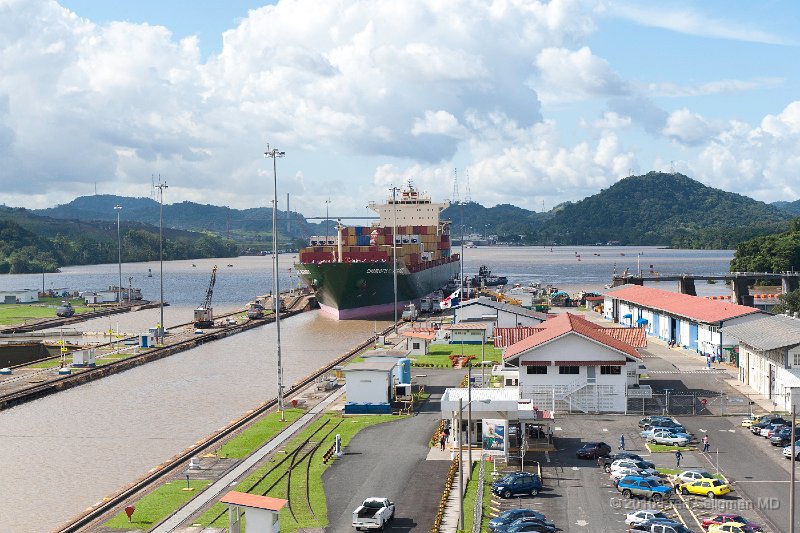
(204, 314)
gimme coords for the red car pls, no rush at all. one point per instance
(728, 517)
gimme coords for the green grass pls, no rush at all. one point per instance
(44, 308)
(349, 427)
(157, 505)
(258, 434)
(439, 354)
(661, 448)
(470, 496)
(676, 471)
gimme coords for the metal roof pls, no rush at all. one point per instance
(509, 308)
(768, 333)
(693, 307)
(373, 364)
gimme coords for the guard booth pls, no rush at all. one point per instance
(263, 512)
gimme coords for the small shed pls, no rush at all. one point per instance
(418, 340)
(468, 333)
(369, 386)
(263, 512)
(20, 296)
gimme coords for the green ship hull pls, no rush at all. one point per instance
(366, 290)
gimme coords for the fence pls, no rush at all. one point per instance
(709, 403)
(478, 516)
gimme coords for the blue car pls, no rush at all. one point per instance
(528, 523)
(512, 515)
(517, 483)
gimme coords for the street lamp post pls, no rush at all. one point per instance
(274, 153)
(118, 208)
(161, 186)
(394, 253)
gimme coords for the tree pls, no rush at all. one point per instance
(788, 302)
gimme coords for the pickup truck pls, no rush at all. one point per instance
(374, 513)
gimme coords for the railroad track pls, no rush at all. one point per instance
(39, 390)
(99, 511)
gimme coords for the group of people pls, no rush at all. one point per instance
(444, 437)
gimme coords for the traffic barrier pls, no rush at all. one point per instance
(328, 454)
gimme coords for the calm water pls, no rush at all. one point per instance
(60, 454)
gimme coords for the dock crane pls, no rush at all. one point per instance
(204, 314)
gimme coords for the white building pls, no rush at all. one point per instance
(692, 322)
(501, 315)
(571, 364)
(370, 386)
(418, 340)
(21, 296)
(769, 358)
(263, 512)
(468, 333)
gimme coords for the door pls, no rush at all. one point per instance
(771, 381)
(673, 336)
(655, 330)
(693, 336)
(591, 376)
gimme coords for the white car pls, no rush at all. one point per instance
(787, 452)
(622, 472)
(637, 517)
(667, 438)
(639, 466)
(687, 476)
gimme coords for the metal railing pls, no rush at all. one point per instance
(478, 516)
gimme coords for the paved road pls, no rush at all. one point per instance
(388, 460)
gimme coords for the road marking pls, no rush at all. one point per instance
(738, 481)
(547, 456)
(605, 430)
(702, 430)
(582, 523)
(557, 428)
(731, 431)
(575, 468)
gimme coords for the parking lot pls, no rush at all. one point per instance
(579, 496)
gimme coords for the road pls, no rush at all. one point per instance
(388, 460)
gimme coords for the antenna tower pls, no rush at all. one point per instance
(456, 197)
(467, 195)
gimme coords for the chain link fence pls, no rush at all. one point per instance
(668, 403)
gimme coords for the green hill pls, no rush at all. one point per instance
(663, 209)
(771, 253)
(790, 208)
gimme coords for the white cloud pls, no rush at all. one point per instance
(689, 128)
(439, 123)
(685, 20)
(711, 87)
(568, 76)
(609, 121)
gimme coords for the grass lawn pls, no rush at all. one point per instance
(44, 308)
(676, 471)
(661, 448)
(157, 505)
(258, 434)
(348, 427)
(439, 354)
(471, 495)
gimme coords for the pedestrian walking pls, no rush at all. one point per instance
(442, 441)
(678, 457)
(447, 432)
(708, 361)
(622, 442)
(706, 445)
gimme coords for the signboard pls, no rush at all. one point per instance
(494, 435)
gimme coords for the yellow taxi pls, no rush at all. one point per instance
(749, 421)
(712, 488)
(730, 527)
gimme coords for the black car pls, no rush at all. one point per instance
(783, 437)
(653, 420)
(605, 461)
(766, 421)
(593, 450)
(517, 483)
(659, 526)
(506, 518)
(528, 523)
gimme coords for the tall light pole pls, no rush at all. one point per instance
(274, 153)
(161, 186)
(394, 252)
(118, 208)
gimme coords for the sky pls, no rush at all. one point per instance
(527, 102)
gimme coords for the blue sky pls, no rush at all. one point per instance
(537, 102)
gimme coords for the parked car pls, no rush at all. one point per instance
(593, 450)
(651, 420)
(713, 488)
(784, 436)
(787, 451)
(668, 438)
(644, 515)
(508, 517)
(616, 475)
(750, 420)
(642, 466)
(765, 421)
(606, 460)
(651, 430)
(659, 526)
(731, 527)
(528, 523)
(719, 519)
(374, 513)
(687, 476)
(517, 483)
(767, 431)
(631, 486)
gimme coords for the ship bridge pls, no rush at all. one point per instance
(411, 209)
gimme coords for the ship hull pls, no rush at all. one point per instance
(366, 290)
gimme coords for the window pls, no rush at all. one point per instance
(415, 345)
(569, 370)
(611, 370)
(796, 359)
(536, 369)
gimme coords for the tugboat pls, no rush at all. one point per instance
(485, 278)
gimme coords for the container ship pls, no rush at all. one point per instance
(351, 272)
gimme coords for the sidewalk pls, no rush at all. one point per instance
(451, 511)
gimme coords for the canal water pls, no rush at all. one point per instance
(61, 454)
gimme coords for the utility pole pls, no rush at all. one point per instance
(118, 208)
(274, 153)
(161, 186)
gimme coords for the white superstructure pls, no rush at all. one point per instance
(411, 207)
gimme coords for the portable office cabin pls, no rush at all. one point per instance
(369, 386)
